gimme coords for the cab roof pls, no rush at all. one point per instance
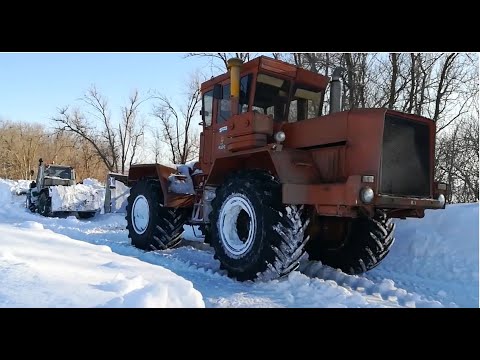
(277, 68)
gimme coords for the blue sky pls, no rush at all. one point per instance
(33, 85)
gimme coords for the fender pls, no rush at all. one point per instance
(288, 165)
(160, 173)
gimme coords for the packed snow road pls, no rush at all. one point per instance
(433, 263)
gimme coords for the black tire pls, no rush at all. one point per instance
(44, 202)
(164, 226)
(86, 214)
(352, 245)
(268, 238)
(205, 230)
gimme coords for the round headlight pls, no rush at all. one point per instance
(441, 198)
(366, 195)
(279, 136)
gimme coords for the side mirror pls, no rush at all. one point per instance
(32, 172)
(217, 92)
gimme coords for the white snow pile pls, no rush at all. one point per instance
(93, 183)
(77, 197)
(181, 183)
(43, 269)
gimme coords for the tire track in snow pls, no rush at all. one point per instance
(386, 288)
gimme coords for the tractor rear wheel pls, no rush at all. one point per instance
(253, 233)
(351, 245)
(150, 225)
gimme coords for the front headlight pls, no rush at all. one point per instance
(279, 137)
(366, 195)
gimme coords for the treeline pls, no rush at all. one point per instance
(441, 86)
(22, 144)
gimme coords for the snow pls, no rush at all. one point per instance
(41, 268)
(78, 197)
(70, 262)
(93, 182)
(182, 182)
(18, 187)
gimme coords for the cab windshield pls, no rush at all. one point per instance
(271, 96)
(63, 173)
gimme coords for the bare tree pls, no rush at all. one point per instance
(457, 160)
(20, 143)
(219, 60)
(117, 144)
(177, 123)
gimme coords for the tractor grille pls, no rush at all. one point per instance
(405, 158)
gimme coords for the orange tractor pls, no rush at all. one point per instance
(275, 179)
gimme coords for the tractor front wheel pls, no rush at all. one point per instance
(253, 233)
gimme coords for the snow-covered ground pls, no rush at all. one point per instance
(433, 263)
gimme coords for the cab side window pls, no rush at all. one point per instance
(207, 108)
(224, 107)
(245, 84)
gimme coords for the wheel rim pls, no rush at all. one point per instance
(140, 214)
(237, 225)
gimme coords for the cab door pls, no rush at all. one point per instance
(207, 133)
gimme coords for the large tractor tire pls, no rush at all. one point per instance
(150, 225)
(351, 245)
(44, 204)
(253, 234)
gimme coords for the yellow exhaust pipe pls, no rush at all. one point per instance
(234, 66)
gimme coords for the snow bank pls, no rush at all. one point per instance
(16, 187)
(441, 251)
(42, 269)
(21, 187)
(437, 257)
(6, 196)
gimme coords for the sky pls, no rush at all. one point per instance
(34, 85)
(67, 262)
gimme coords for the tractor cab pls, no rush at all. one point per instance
(243, 109)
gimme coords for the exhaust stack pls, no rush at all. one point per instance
(336, 90)
(234, 66)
